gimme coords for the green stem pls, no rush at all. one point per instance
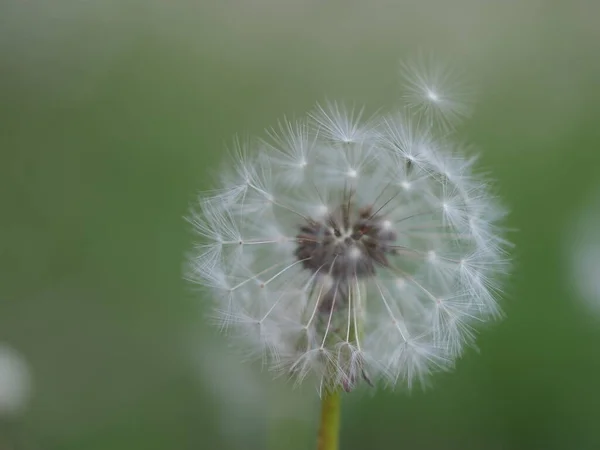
(329, 429)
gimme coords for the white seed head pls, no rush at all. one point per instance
(351, 251)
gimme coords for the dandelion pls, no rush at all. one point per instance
(351, 251)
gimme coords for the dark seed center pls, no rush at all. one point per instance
(348, 242)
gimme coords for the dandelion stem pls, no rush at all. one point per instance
(329, 427)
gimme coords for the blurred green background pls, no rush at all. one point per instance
(114, 114)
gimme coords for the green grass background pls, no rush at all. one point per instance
(113, 114)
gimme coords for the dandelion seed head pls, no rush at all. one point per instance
(351, 251)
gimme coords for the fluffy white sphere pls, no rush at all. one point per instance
(350, 249)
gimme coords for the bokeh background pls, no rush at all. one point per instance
(114, 114)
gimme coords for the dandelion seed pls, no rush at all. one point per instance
(436, 92)
(352, 251)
